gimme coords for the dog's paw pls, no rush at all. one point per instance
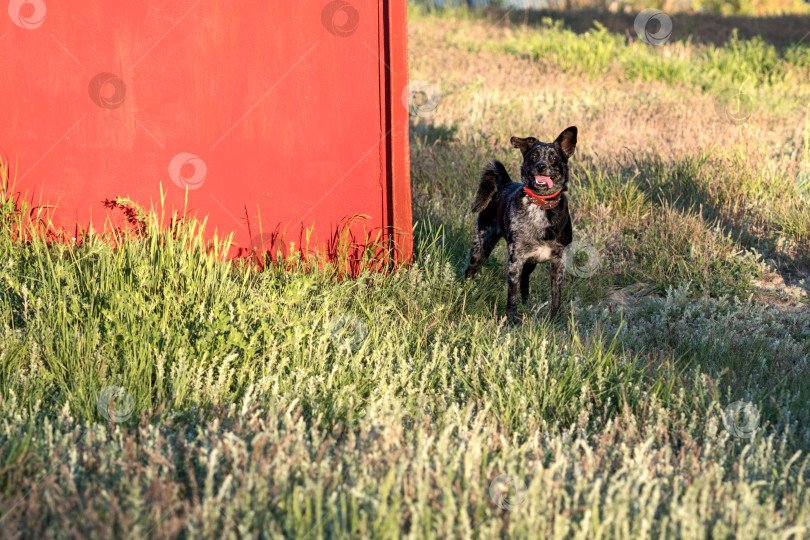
(510, 323)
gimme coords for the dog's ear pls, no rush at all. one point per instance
(567, 141)
(523, 144)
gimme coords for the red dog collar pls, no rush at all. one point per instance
(545, 202)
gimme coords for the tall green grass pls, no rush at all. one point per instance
(297, 404)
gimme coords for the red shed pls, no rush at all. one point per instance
(271, 117)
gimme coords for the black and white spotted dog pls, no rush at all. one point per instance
(532, 216)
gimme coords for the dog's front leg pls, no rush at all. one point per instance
(528, 268)
(513, 286)
(557, 273)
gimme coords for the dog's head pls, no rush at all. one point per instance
(545, 165)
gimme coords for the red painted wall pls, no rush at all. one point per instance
(288, 112)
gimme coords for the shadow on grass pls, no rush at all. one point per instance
(692, 185)
(782, 31)
(654, 222)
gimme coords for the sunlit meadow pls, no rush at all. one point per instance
(150, 389)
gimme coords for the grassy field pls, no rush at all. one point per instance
(154, 391)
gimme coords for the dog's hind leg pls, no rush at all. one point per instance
(528, 268)
(485, 237)
(513, 283)
(557, 273)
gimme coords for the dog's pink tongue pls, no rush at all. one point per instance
(544, 180)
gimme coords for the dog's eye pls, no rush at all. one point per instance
(551, 158)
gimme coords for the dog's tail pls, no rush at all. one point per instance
(493, 178)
